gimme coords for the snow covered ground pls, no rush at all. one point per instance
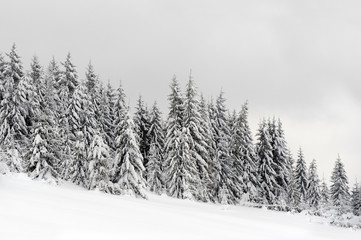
(36, 210)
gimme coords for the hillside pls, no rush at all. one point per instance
(36, 210)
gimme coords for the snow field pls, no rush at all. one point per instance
(36, 210)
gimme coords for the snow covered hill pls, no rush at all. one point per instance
(36, 210)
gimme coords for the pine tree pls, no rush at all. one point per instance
(79, 117)
(339, 191)
(98, 158)
(301, 178)
(118, 112)
(280, 158)
(77, 170)
(356, 200)
(155, 164)
(141, 123)
(180, 171)
(197, 142)
(266, 168)
(245, 159)
(212, 162)
(42, 158)
(313, 188)
(14, 68)
(221, 132)
(108, 116)
(36, 71)
(70, 78)
(325, 194)
(127, 171)
(3, 66)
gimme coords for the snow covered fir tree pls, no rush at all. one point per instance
(58, 126)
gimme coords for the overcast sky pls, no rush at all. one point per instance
(296, 60)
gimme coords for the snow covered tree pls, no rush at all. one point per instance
(280, 158)
(212, 162)
(118, 112)
(325, 194)
(79, 117)
(14, 68)
(301, 177)
(313, 188)
(180, 171)
(266, 167)
(127, 170)
(36, 71)
(155, 163)
(70, 75)
(356, 200)
(108, 116)
(245, 158)
(225, 177)
(77, 171)
(339, 191)
(198, 146)
(98, 158)
(2, 76)
(141, 123)
(91, 81)
(43, 159)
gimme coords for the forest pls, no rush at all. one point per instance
(56, 127)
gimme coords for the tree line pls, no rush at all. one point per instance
(55, 127)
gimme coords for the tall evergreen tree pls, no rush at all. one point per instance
(267, 167)
(14, 68)
(155, 163)
(3, 66)
(339, 190)
(301, 177)
(280, 158)
(70, 78)
(325, 194)
(245, 158)
(356, 199)
(98, 158)
(198, 147)
(313, 188)
(128, 169)
(181, 175)
(141, 123)
(226, 187)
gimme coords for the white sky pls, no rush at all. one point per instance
(297, 60)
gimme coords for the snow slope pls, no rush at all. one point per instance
(36, 210)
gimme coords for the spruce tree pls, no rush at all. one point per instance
(213, 163)
(141, 123)
(155, 164)
(266, 167)
(226, 187)
(280, 158)
(325, 194)
(43, 159)
(70, 78)
(98, 158)
(339, 191)
(180, 171)
(128, 169)
(245, 158)
(198, 147)
(78, 169)
(301, 178)
(313, 188)
(3, 66)
(356, 199)
(14, 68)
